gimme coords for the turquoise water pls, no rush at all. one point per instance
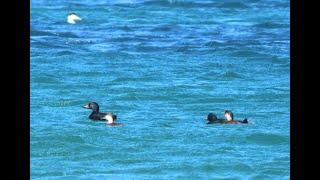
(161, 66)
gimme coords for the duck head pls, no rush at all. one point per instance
(212, 117)
(93, 105)
(228, 115)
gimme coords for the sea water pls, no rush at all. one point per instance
(161, 66)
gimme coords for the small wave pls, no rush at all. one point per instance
(126, 39)
(63, 103)
(184, 48)
(65, 52)
(170, 3)
(213, 44)
(164, 28)
(232, 5)
(167, 125)
(268, 96)
(34, 32)
(147, 48)
(180, 3)
(67, 35)
(48, 44)
(80, 42)
(247, 54)
(47, 174)
(231, 75)
(221, 100)
(271, 25)
(124, 28)
(267, 139)
(45, 80)
(260, 177)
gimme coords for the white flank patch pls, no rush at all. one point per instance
(109, 118)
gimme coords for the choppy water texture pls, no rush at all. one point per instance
(161, 66)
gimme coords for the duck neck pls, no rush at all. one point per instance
(96, 110)
(228, 117)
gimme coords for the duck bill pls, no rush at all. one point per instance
(86, 106)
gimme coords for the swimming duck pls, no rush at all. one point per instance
(229, 118)
(72, 18)
(96, 115)
(212, 118)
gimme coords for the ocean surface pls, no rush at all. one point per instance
(161, 66)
